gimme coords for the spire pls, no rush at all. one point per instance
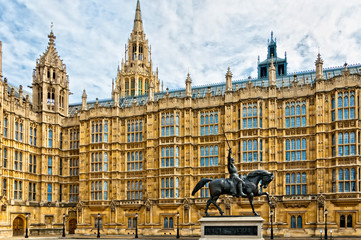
(138, 24)
(229, 80)
(83, 104)
(188, 86)
(51, 36)
(319, 67)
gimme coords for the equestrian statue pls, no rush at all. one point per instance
(236, 185)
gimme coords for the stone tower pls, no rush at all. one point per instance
(136, 71)
(50, 81)
(280, 64)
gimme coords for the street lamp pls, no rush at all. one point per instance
(98, 235)
(331, 234)
(321, 233)
(136, 225)
(177, 224)
(326, 223)
(271, 224)
(26, 230)
(63, 224)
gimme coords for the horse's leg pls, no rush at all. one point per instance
(250, 198)
(214, 200)
(265, 193)
(208, 203)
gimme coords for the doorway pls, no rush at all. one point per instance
(72, 226)
(18, 227)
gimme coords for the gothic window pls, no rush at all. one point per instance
(170, 187)
(209, 123)
(126, 82)
(170, 157)
(99, 190)
(6, 127)
(129, 222)
(18, 163)
(134, 161)
(50, 137)
(74, 138)
(168, 223)
(169, 125)
(132, 87)
(32, 163)
(51, 96)
(209, 156)
(296, 183)
(4, 186)
(141, 53)
(342, 221)
(97, 161)
(32, 191)
(18, 190)
(345, 106)
(5, 156)
(50, 165)
(146, 86)
(251, 116)
(251, 150)
(295, 114)
(296, 149)
(296, 222)
(140, 86)
(98, 133)
(98, 221)
(347, 180)
(134, 190)
(134, 52)
(205, 191)
(32, 136)
(346, 144)
(74, 167)
(135, 131)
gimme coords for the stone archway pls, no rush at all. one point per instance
(18, 227)
(72, 226)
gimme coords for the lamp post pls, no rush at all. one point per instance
(98, 235)
(321, 233)
(271, 224)
(326, 223)
(63, 224)
(331, 234)
(136, 225)
(26, 230)
(177, 224)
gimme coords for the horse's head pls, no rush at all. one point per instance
(266, 179)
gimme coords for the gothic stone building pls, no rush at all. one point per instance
(142, 152)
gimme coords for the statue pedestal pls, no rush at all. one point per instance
(231, 227)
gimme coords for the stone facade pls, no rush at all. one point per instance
(143, 151)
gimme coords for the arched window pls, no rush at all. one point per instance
(129, 222)
(170, 222)
(293, 222)
(165, 222)
(50, 138)
(349, 221)
(287, 111)
(299, 222)
(342, 221)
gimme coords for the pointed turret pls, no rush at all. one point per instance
(229, 80)
(272, 73)
(319, 67)
(138, 24)
(83, 102)
(50, 81)
(151, 92)
(116, 97)
(188, 86)
(136, 70)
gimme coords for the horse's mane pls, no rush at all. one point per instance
(257, 173)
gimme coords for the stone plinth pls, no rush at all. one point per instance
(231, 227)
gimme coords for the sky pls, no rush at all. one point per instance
(202, 37)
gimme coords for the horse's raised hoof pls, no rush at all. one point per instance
(221, 213)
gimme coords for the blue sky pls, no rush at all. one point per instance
(199, 36)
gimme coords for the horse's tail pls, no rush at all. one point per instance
(200, 184)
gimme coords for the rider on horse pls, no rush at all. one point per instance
(238, 182)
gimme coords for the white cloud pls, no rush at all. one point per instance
(203, 37)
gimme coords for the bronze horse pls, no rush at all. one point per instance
(218, 187)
